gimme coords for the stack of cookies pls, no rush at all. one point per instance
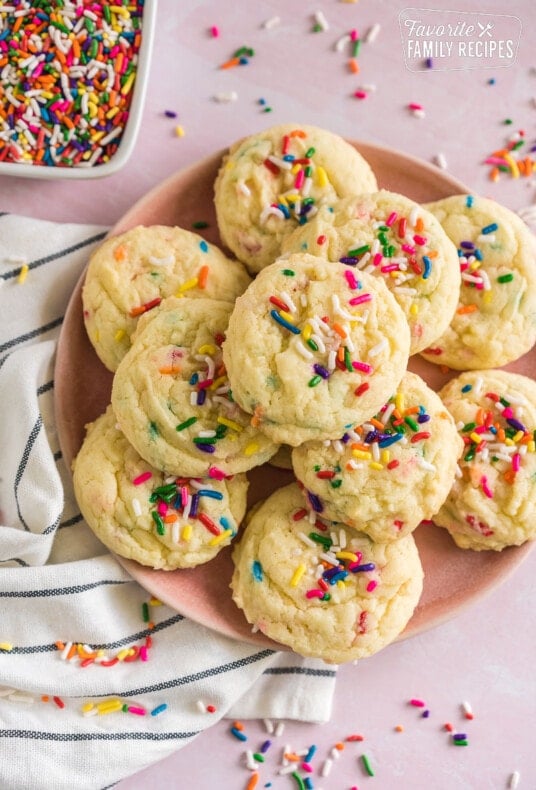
(306, 366)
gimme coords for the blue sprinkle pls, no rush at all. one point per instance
(226, 524)
(491, 81)
(243, 61)
(210, 493)
(280, 320)
(206, 448)
(257, 571)
(194, 378)
(310, 754)
(427, 267)
(478, 255)
(262, 101)
(308, 782)
(201, 397)
(238, 734)
(429, 63)
(391, 440)
(284, 209)
(195, 499)
(469, 201)
(467, 388)
(289, 158)
(339, 576)
(203, 246)
(490, 228)
(159, 709)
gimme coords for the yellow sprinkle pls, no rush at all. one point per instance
(375, 465)
(96, 336)
(513, 165)
(295, 169)
(292, 198)
(217, 539)
(191, 283)
(531, 446)
(307, 332)
(179, 131)
(23, 274)
(109, 706)
(346, 555)
(6, 646)
(475, 437)
(87, 706)
(235, 426)
(362, 455)
(251, 448)
(187, 532)
(399, 401)
(282, 199)
(509, 442)
(414, 309)
(385, 455)
(218, 382)
(123, 654)
(92, 109)
(127, 87)
(119, 335)
(298, 573)
(518, 436)
(207, 348)
(321, 177)
(155, 602)
(287, 316)
(487, 297)
(111, 113)
(96, 137)
(119, 9)
(341, 583)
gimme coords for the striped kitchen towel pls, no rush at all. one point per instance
(64, 723)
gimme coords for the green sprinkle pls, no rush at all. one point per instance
(470, 454)
(308, 171)
(336, 483)
(507, 121)
(356, 48)
(461, 743)
(326, 597)
(517, 145)
(311, 343)
(411, 422)
(505, 278)
(125, 708)
(145, 612)
(316, 29)
(366, 765)
(469, 426)
(288, 272)
(310, 152)
(359, 251)
(186, 423)
(314, 381)
(204, 439)
(258, 757)
(153, 430)
(106, 12)
(200, 224)
(267, 109)
(504, 401)
(348, 360)
(157, 518)
(323, 539)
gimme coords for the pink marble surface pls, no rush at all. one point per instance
(485, 654)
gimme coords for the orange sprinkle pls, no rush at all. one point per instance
(170, 518)
(293, 758)
(340, 354)
(202, 277)
(378, 424)
(60, 645)
(16, 24)
(419, 224)
(444, 369)
(45, 698)
(432, 254)
(238, 725)
(411, 410)
(494, 174)
(339, 746)
(230, 63)
(72, 651)
(298, 133)
(120, 253)
(396, 414)
(75, 46)
(353, 65)
(339, 330)
(169, 369)
(480, 416)
(399, 728)
(254, 778)
(509, 476)
(467, 308)
(501, 436)
(257, 417)
(521, 167)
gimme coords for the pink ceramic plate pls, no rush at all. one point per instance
(453, 578)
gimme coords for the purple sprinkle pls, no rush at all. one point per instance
(425, 714)
(206, 448)
(329, 573)
(349, 261)
(345, 438)
(467, 245)
(315, 502)
(460, 736)
(266, 745)
(518, 426)
(371, 436)
(429, 63)
(423, 418)
(195, 499)
(367, 566)
(321, 371)
(201, 397)
(170, 114)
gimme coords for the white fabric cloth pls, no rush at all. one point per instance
(59, 584)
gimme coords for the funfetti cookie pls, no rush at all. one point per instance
(130, 274)
(313, 348)
(495, 320)
(385, 476)
(328, 592)
(140, 513)
(172, 397)
(391, 236)
(273, 181)
(492, 503)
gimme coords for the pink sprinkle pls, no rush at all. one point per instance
(371, 585)
(391, 267)
(516, 462)
(162, 508)
(314, 594)
(137, 711)
(354, 35)
(142, 478)
(184, 496)
(216, 474)
(307, 767)
(203, 385)
(507, 413)
(350, 279)
(485, 488)
(360, 299)
(391, 218)
(144, 653)
(408, 248)
(377, 259)
(364, 367)
(300, 178)
(495, 160)
(361, 94)
(420, 240)
(414, 106)
(417, 703)
(214, 31)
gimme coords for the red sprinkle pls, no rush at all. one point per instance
(321, 239)
(208, 523)
(279, 303)
(142, 478)
(420, 436)
(271, 167)
(299, 514)
(59, 702)
(143, 308)
(354, 738)
(362, 388)
(325, 474)
(393, 464)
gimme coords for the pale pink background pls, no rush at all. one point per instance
(486, 654)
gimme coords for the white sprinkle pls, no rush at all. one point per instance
(154, 261)
(514, 780)
(419, 113)
(269, 726)
(280, 728)
(306, 539)
(5, 692)
(338, 446)
(342, 539)
(201, 706)
(286, 750)
(193, 399)
(65, 651)
(278, 162)
(287, 769)
(285, 296)
(243, 189)
(225, 98)
(18, 696)
(467, 708)
(175, 532)
(331, 558)
(334, 754)
(321, 20)
(372, 33)
(413, 216)
(342, 42)
(426, 465)
(207, 434)
(379, 348)
(136, 507)
(319, 342)
(304, 352)
(250, 760)
(441, 161)
(485, 280)
(91, 712)
(477, 386)
(375, 451)
(326, 767)
(489, 237)
(272, 22)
